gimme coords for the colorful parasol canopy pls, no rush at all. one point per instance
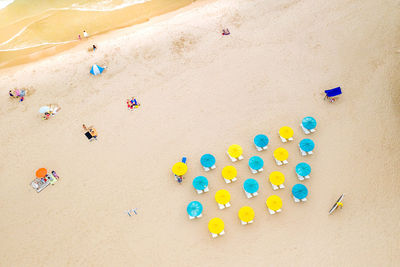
(200, 183)
(229, 172)
(216, 225)
(281, 154)
(222, 196)
(251, 186)
(207, 160)
(299, 191)
(194, 208)
(307, 145)
(286, 132)
(40, 173)
(303, 169)
(179, 168)
(256, 163)
(276, 178)
(235, 151)
(309, 123)
(246, 214)
(274, 202)
(261, 140)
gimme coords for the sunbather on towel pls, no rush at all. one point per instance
(225, 31)
(132, 103)
(90, 132)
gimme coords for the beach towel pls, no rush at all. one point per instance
(333, 92)
(88, 135)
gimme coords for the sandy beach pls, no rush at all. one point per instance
(200, 92)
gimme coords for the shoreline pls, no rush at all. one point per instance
(54, 50)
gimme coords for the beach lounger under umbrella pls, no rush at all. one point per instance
(281, 155)
(208, 162)
(194, 209)
(306, 147)
(200, 183)
(223, 197)
(216, 227)
(235, 153)
(274, 204)
(286, 134)
(308, 124)
(229, 173)
(277, 179)
(96, 70)
(246, 215)
(256, 164)
(250, 187)
(179, 169)
(261, 142)
(299, 192)
(303, 171)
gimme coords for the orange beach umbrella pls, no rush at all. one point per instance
(40, 173)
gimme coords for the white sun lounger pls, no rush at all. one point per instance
(296, 200)
(232, 158)
(281, 186)
(206, 169)
(303, 153)
(271, 211)
(306, 131)
(253, 171)
(227, 205)
(304, 199)
(214, 235)
(243, 223)
(309, 152)
(261, 148)
(206, 189)
(275, 187)
(284, 140)
(290, 139)
(221, 207)
(278, 162)
(279, 210)
(227, 181)
(285, 162)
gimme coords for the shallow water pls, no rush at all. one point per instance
(27, 26)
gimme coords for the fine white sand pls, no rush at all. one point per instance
(201, 92)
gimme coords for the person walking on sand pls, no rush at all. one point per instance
(85, 34)
(79, 37)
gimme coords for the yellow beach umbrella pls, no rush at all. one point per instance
(216, 225)
(281, 154)
(179, 168)
(246, 214)
(235, 151)
(286, 132)
(274, 202)
(277, 178)
(229, 172)
(222, 196)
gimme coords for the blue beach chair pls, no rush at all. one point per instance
(331, 93)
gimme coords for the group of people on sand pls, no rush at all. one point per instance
(18, 93)
(86, 35)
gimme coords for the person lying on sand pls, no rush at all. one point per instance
(132, 103)
(16, 93)
(90, 132)
(225, 31)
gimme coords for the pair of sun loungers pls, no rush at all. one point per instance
(216, 235)
(222, 206)
(250, 195)
(272, 212)
(298, 200)
(41, 183)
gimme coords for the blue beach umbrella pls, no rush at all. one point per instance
(207, 160)
(250, 186)
(261, 140)
(200, 183)
(307, 145)
(96, 70)
(299, 191)
(309, 123)
(256, 162)
(194, 208)
(303, 169)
